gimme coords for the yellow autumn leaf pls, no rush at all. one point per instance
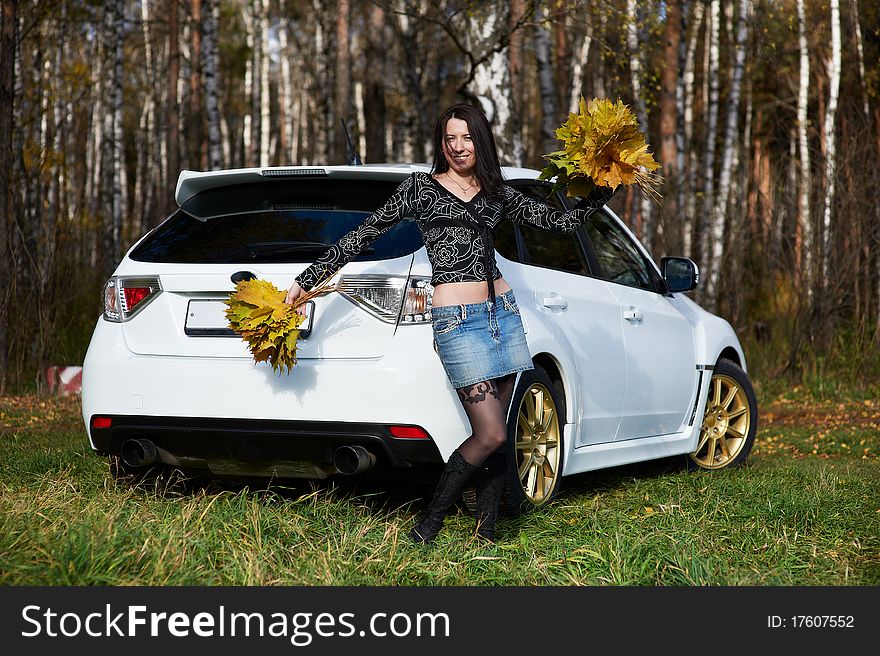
(603, 143)
(258, 292)
(257, 312)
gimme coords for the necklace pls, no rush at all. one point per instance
(464, 189)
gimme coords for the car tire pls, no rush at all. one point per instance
(730, 420)
(535, 444)
(520, 493)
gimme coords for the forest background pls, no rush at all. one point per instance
(764, 114)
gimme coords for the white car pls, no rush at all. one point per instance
(627, 367)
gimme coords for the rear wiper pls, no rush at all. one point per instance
(292, 245)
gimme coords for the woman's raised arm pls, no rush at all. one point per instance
(351, 244)
(519, 208)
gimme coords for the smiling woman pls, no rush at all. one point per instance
(458, 149)
(483, 345)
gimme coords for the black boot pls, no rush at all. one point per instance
(490, 483)
(456, 475)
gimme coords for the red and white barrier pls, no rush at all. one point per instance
(64, 381)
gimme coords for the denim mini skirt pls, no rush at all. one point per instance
(480, 341)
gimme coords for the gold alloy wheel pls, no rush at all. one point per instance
(726, 424)
(538, 444)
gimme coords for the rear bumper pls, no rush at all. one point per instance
(259, 447)
(205, 407)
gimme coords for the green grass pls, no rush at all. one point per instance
(804, 511)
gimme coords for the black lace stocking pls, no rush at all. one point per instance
(486, 404)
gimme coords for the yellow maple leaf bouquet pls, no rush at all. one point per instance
(256, 310)
(602, 145)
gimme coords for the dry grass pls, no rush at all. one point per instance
(803, 512)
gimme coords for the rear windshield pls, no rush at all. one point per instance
(277, 222)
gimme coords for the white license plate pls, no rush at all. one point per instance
(206, 317)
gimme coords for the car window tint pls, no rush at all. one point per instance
(547, 248)
(618, 258)
(267, 237)
(505, 241)
(553, 250)
(280, 221)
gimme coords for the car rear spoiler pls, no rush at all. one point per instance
(192, 183)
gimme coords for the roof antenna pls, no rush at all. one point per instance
(353, 158)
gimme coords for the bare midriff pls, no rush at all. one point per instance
(463, 293)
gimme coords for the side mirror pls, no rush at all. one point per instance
(680, 273)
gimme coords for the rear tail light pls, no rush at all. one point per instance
(101, 422)
(409, 432)
(126, 296)
(391, 298)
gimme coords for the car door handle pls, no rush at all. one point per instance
(632, 314)
(555, 302)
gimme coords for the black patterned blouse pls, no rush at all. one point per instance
(457, 233)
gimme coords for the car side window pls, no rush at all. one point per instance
(505, 241)
(547, 248)
(553, 250)
(618, 258)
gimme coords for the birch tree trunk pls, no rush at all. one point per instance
(860, 54)
(55, 162)
(247, 14)
(285, 123)
(719, 211)
(374, 90)
(210, 61)
(804, 248)
(95, 151)
(227, 141)
(319, 127)
(793, 197)
(668, 104)
(406, 145)
(160, 139)
(119, 181)
(596, 67)
(195, 129)
(579, 60)
(144, 184)
(342, 103)
(8, 22)
(172, 111)
(45, 192)
(561, 53)
(491, 83)
(108, 182)
(361, 145)
(648, 223)
(516, 62)
(830, 141)
(688, 197)
(712, 126)
(546, 84)
(374, 102)
(264, 100)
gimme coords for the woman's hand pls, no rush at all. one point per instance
(293, 295)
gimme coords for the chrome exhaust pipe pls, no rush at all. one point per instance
(138, 453)
(350, 460)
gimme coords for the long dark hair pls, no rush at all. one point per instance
(488, 170)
